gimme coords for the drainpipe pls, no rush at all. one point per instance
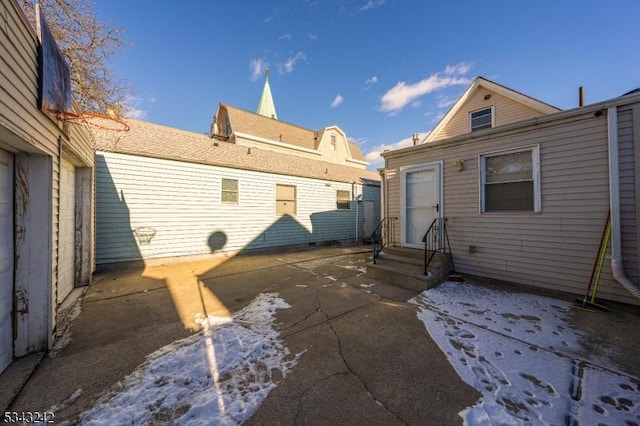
(617, 267)
(354, 191)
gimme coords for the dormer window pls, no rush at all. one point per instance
(481, 119)
(333, 142)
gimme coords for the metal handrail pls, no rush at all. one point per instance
(436, 239)
(382, 235)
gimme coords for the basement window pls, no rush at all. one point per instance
(481, 119)
(286, 203)
(343, 200)
(229, 193)
(510, 180)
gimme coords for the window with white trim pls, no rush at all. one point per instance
(333, 143)
(229, 191)
(481, 119)
(286, 200)
(343, 200)
(510, 180)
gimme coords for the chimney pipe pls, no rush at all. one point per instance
(416, 138)
(581, 96)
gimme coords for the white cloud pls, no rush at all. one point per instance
(370, 82)
(445, 101)
(257, 68)
(371, 4)
(403, 93)
(461, 68)
(267, 19)
(313, 35)
(373, 156)
(337, 101)
(133, 107)
(290, 62)
(285, 37)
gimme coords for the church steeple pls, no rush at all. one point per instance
(266, 106)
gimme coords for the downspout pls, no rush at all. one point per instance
(355, 198)
(617, 267)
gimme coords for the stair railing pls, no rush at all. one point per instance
(435, 240)
(382, 235)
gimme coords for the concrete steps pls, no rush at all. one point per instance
(404, 267)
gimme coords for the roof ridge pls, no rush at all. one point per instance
(267, 118)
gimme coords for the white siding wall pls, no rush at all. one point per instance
(553, 249)
(182, 202)
(37, 144)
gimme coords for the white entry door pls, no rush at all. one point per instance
(421, 202)
(66, 238)
(6, 259)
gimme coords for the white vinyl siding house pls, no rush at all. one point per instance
(52, 182)
(163, 192)
(181, 202)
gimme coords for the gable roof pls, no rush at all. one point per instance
(248, 122)
(243, 121)
(479, 82)
(156, 141)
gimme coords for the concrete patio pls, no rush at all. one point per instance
(367, 357)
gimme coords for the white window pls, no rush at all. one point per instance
(286, 200)
(343, 200)
(510, 180)
(333, 142)
(481, 119)
(229, 193)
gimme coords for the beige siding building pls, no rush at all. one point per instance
(526, 195)
(46, 200)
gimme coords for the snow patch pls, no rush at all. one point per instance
(520, 352)
(361, 269)
(219, 375)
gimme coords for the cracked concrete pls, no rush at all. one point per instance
(366, 358)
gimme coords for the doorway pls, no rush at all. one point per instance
(421, 201)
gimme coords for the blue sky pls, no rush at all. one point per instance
(381, 70)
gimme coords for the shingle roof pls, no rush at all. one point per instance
(244, 121)
(152, 140)
(255, 124)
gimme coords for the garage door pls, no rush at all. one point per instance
(6, 259)
(66, 237)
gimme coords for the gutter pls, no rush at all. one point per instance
(617, 267)
(518, 126)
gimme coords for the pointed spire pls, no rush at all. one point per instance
(266, 106)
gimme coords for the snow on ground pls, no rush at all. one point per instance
(217, 376)
(520, 352)
(358, 268)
